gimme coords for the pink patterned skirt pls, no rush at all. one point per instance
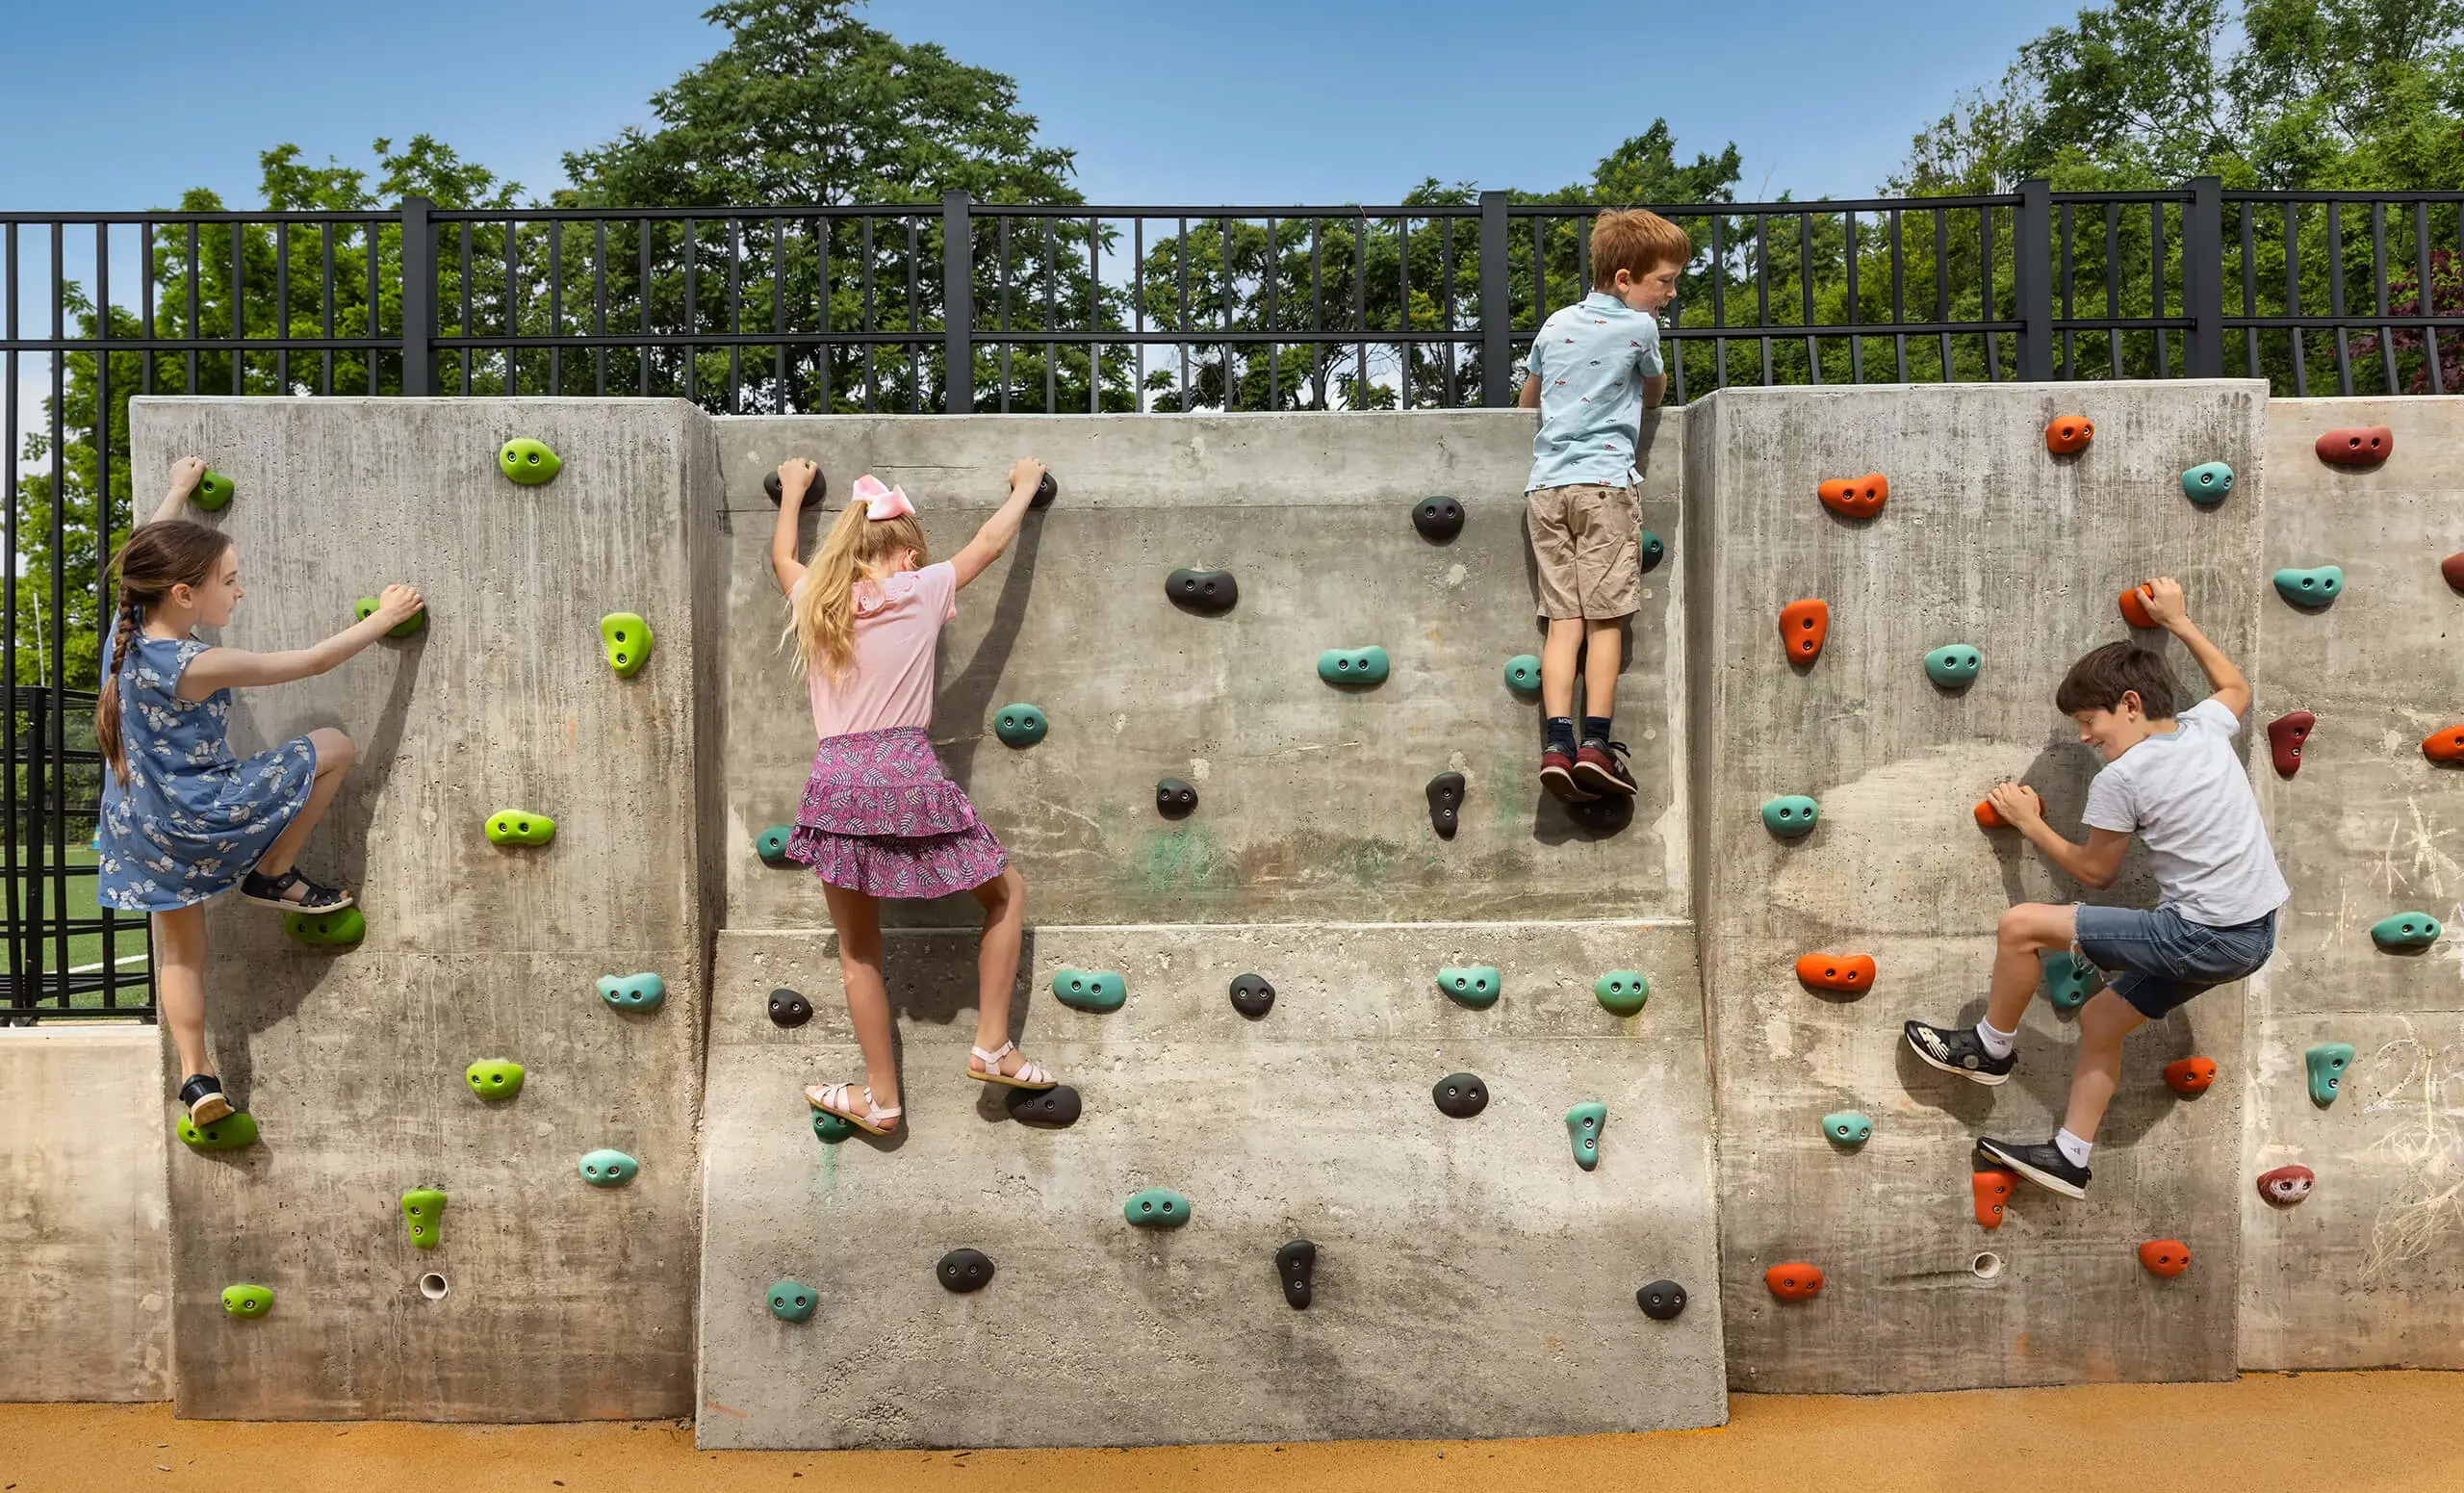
(880, 818)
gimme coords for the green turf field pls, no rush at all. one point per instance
(86, 949)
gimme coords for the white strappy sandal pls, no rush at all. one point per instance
(839, 1100)
(1030, 1076)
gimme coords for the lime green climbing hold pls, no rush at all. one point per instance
(2068, 980)
(366, 608)
(1156, 1208)
(632, 992)
(2405, 931)
(326, 930)
(2326, 1062)
(626, 641)
(214, 491)
(771, 845)
(1791, 816)
(1352, 666)
(1583, 1124)
(1953, 665)
(834, 1129)
(2310, 587)
(1020, 725)
(1523, 674)
(1622, 991)
(792, 1302)
(527, 462)
(608, 1169)
(235, 1131)
(1089, 989)
(514, 827)
(493, 1078)
(2207, 483)
(424, 1209)
(247, 1300)
(1475, 986)
(1848, 1128)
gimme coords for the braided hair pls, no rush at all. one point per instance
(173, 552)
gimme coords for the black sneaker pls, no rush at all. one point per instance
(1599, 769)
(2043, 1165)
(1956, 1051)
(203, 1093)
(274, 892)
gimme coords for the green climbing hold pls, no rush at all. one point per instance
(771, 845)
(2207, 483)
(2405, 931)
(366, 608)
(235, 1131)
(608, 1169)
(834, 1129)
(514, 827)
(214, 491)
(247, 1300)
(1089, 989)
(1583, 1124)
(1156, 1207)
(2312, 588)
(1352, 666)
(632, 992)
(1474, 985)
(2069, 979)
(1654, 548)
(2326, 1062)
(792, 1302)
(1523, 674)
(1020, 725)
(527, 462)
(493, 1078)
(626, 641)
(424, 1209)
(1954, 665)
(1622, 991)
(326, 930)
(1791, 816)
(1849, 1128)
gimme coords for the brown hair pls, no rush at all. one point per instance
(2100, 679)
(1637, 242)
(173, 552)
(822, 621)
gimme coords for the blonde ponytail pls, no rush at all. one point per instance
(821, 619)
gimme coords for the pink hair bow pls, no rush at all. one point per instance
(882, 502)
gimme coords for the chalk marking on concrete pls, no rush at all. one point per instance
(2428, 1192)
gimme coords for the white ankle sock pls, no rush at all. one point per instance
(1997, 1043)
(2074, 1150)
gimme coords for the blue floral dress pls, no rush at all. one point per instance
(192, 819)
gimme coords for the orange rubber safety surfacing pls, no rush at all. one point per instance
(1992, 1189)
(2356, 446)
(1802, 625)
(1855, 497)
(2069, 433)
(2165, 1256)
(2133, 608)
(2190, 1076)
(2445, 744)
(1990, 817)
(1837, 971)
(1796, 1282)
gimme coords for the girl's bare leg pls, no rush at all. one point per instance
(179, 983)
(858, 919)
(334, 754)
(1004, 899)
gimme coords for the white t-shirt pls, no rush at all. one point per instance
(2186, 795)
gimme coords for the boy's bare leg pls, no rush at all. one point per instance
(858, 919)
(2024, 932)
(1557, 658)
(179, 984)
(2103, 1022)
(1604, 654)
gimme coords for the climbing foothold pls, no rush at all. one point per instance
(2069, 979)
(1954, 665)
(1848, 1128)
(1046, 490)
(1837, 971)
(493, 1078)
(1472, 985)
(771, 845)
(513, 827)
(1089, 989)
(1202, 590)
(326, 930)
(1793, 1282)
(2285, 735)
(1175, 799)
(1460, 1095)
(2165, 1256)
(2355, 446)
(2326, 1062)
(2453, 568)
(792, 1302)
(1991, 1189)
(834, 1129)
(2133, 608)
(1446, 802)
(2187, 1076)
(1295, 1265)
(2207, 483)
(1802, 625)
(815, 496)
(632, 992)
(2068, 433)
(1251, 995)
(1438, 519)
(1791, 815)
(964, 1270)
(235, 1131)
(1020, 725)
(247, 1300)
(1661, 1299)
(2405, 931)
(2445, 744)
(2310, 588)
(608, 1169)
(1854, 496)
(788, 1008)
(1156, 1207)
(1653, 548)
(1583, 1124)
(528, 461)
(1352, 666)
(1523, 674)
(1622, 991)
(2285, 1186)
(1990, 818)
(213, 491)
(366, 608)
(424, 1209)
(626, 639)
(1050, 1108)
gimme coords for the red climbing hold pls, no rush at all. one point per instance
(1802, 625)
(1837, 971)
(2356, 446)
(1992, 1189)
(1988, 816)
(2165, 1256)
(2190, 1076)
(2453, 568)
(1793, 1282)
(2069, 433)
(2285, 735)
(2133, 608)
(2286, 1186)
(2445, 744)
(1857, 496)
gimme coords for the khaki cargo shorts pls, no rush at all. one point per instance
(1584, 537)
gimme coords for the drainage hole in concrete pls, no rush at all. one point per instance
(432, 1285)
(1987, 1265)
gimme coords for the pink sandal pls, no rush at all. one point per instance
(1030, 1076)
(839, 1100)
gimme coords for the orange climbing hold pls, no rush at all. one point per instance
(1990, 817)
(2069, 433)
(2165, 1256)
(1837, 971)
(1802, 625)
(2190, 1076)
(2445, 744)
(1992, 1189)
(1795, 1282)
(2356, 446)
(1855, 497)
(2133, 608)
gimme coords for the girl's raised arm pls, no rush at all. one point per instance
(219, 668)
(795, 479)
(186, 474)
(1025, 476)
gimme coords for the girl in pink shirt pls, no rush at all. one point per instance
(879, 819)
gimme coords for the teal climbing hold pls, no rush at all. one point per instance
(1474, 985)
(1352, 666)
(1089, 989)
(834, 1129)
(1583, 1124)
(247, 1300)
(366, 608)
(2312, 588)
(632, 992)
(1954, 664)
(2068, 980)
(1523, 674)
(608, 1169)
(1020, 725)
(514, 827)
(493, 1078)
(792, 1301)
(527, 462)
(213, 492)
(235, 1131)
(1654, 547)
(625, 640)
(424, 1209)
(2207, 483)
(325, 930)
(1622, 991)
(2326, 1062)
(2405, 931)
(1847, 1129)
(1791, 815)
(771, 845)
(1156, 1207)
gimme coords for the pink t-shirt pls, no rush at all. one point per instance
(889, 681)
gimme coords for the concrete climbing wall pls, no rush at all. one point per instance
(560, 1301)
(2366, 1271)
(1987, 539)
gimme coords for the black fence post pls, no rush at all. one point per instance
(2032, 279)
(2203, 279)
(1497, 311)
(419, 298)
(958, 306)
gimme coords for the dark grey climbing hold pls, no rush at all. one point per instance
(1251, 995)
(815, 496)
(1446, 802)
(789, 1009)
(1661, 1299)
(1295, 1264)
(1175, 799)
(1203, 590)
(1655, 549)
(1438, 519)
(1046, 491)
(1461, 1096)
(1048, 1108)
(964, 1270)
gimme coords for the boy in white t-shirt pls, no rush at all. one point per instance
(2175, 783)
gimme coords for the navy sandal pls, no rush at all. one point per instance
(274, 892)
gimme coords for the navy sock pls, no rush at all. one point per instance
(1595, 728)
(1561, 734)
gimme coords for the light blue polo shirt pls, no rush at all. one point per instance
(1591, 360)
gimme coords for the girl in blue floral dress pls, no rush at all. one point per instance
(182, 817)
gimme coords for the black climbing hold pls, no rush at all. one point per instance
(1251, 995)
(1046, 491)
(1295, 1263)
(1052, 1108)
(1661, 1299)
(1175, 799)
(789, 1009)
(1607, 814)
(1202, 590)
(1461, 1096)
(813, 495)
(964, 1270)
(1438, 519)
(1654, 548)
(1446, 802)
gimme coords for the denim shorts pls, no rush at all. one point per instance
(2158, 960)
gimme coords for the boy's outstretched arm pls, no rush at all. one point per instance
(2094, 865)
(1026, 474)
(2165, 604)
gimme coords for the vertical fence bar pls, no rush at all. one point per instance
(1497, 326)
(958, 305)
(419, 297)
(2031, 280)
(2203, 279)
(2422, 295)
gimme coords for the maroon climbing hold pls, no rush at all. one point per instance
(2285, 1186)
(2356, 446)
(2285, 735)
(2453, 568)
(2165, 1256)
(2187, 1076)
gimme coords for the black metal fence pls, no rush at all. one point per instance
(1072, 308)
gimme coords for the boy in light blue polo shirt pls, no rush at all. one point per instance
(1594, 368)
